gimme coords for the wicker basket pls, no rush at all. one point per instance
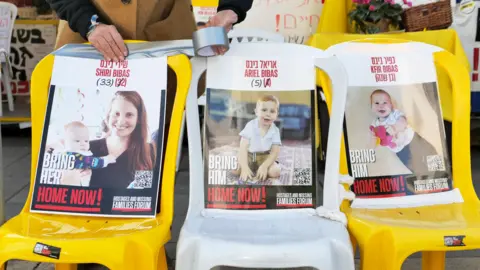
(433, 16)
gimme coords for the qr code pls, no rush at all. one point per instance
(302, 176)
(435, 163)
(143, 179)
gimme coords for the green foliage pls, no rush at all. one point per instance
(367, 13)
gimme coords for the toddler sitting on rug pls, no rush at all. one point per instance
(260, 143)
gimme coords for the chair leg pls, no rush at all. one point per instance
(180, 142)
(354, 244)
(433, 260)
(1, 96)
(162, 260)
(8, 87)
(379, 253)
(371, 262)
(65, 266)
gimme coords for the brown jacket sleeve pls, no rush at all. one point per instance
(77, 13)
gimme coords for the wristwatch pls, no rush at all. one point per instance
(93, 24)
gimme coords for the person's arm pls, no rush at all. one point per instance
(245, 171)
(240, 7)
(105, 38)
(77, 13)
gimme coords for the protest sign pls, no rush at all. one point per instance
(203, 10)
(259, 133)
(395, 137)
(465, 23)
(29, 44)
(102, 142)
(296, 20)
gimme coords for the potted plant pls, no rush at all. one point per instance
(377, 16)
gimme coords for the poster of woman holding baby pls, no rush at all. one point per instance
(98, 146)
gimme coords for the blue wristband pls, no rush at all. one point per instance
(93, 24)
(93, 21)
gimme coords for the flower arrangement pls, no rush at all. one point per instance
(375, 16)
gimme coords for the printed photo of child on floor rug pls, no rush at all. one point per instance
(260, 137)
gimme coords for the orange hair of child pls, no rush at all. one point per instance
(272, 98)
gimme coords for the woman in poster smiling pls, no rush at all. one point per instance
(122, 153)
(126, 140)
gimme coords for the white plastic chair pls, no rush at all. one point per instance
(268, 238)
(237, 36)
(8, 14)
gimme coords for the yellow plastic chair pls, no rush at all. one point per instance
(386, 237)
(333, 28)
(117, 243)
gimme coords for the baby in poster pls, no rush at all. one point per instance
(391, 129)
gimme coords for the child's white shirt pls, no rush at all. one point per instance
(257, 142)
(391, 120)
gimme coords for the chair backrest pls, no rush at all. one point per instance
(325, 41)
(271, 51)
(243, 35)
(446, 39)
(413, 92)
(8, 14)
(179, 63)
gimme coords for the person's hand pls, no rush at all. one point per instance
(86, 173)
(71, 178)
(107, 40)
(110, 159)
(246, 174)
(262, 172)
(224, 18)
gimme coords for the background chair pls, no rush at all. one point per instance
(116, 243)
(386, 237)
(266, 238)
(236, 36)
(8, 14)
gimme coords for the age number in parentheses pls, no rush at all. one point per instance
(105, 82)
(261, 83)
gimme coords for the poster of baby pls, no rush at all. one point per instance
(102, 140)
(259, 142)
(394, 129)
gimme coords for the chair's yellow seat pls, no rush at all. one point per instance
(111, 242)
(388, 237)
(56, 227)
(452, 217)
